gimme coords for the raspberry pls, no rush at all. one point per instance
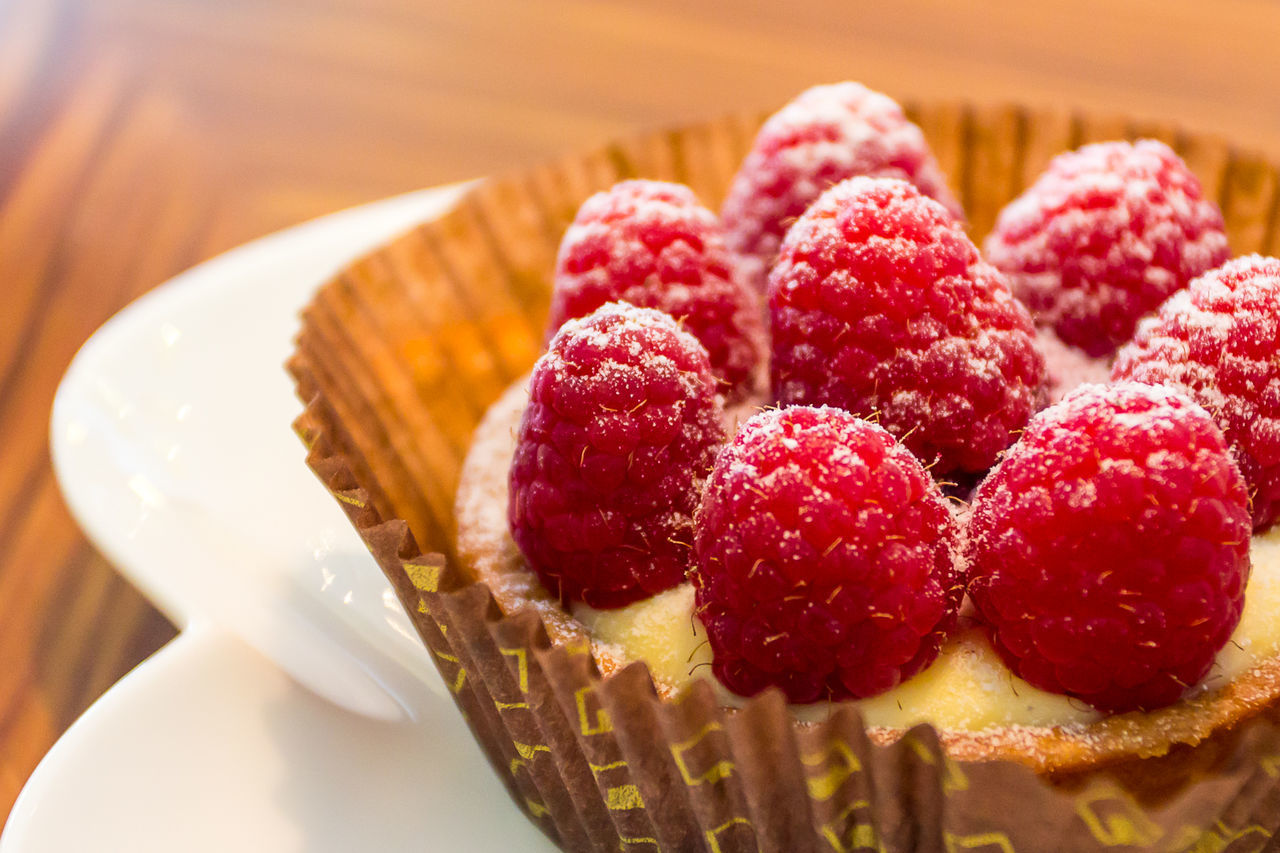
(825, 558)
(825, 135)
(1109, 550)
(880, 303)
(651, 244)
(1217, 341)
(1104, 236)
(622, 427)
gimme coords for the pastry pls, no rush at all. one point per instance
(401, 355)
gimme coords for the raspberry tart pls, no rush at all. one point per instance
(939, 732)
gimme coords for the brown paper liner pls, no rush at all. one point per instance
(401, 354)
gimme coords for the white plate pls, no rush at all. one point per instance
(171, 440)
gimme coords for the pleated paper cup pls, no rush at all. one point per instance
(401, 354)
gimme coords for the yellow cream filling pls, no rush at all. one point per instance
(967, 688)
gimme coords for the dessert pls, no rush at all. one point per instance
(980, 706)
(1108, 548)
(601, 761)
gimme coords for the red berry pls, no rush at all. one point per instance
(651, 244)
(1109, 550)
(881, 304)
(1104, 236)
(1218, 341)
(622, 427)
(825, 135)
(825, 558)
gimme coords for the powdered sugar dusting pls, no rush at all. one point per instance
(1067, 367)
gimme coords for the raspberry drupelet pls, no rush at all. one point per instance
(826, 558)
(1218, 341)
(651, 244)
(622, 426)
(1109, 551)
(826, 134)
(881, 305)
(1106, 234)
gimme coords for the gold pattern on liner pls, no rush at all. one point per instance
(953, 778)
(1220, 838)
(1270, 764)
(508, 706)
(652, 841)
(347, 499)
(461, 677)
(526, 753)
(1124, 823)
(603, 723)
(992, 841)
(712, 834)
(824, 787)
(861, 837)
(424, 578)
(522, 666)
(597, 769)
(536, 809)
(624, 798)
(719, 770)
(528, 750)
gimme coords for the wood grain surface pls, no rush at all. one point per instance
(138, 137)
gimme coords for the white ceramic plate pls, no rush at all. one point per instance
(171, 440)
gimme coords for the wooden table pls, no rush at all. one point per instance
(138, 137)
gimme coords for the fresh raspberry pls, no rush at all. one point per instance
(622, 427)
(1218, 341)
(1109, 550)
(825, 135)
(1104, 236)
(826, 558)
(881, 304)
(651, 244)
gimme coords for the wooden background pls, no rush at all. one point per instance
(138, 137)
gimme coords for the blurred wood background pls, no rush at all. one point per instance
(138, 137)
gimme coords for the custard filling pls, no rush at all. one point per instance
(968, 688)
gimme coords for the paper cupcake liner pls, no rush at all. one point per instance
(401, 354)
